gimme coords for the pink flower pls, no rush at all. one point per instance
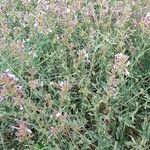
(119, 68)
(146, 20)
(34, 83)
(65, 86)
(25, 2)
(83, 55)
(8, 78)
(62, 116)
(22, 130)
(53, 131)
(120, 65)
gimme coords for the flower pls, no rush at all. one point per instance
(48, 100)
(18, 101)
(121, 12)
(22, 130)
(18, 91)
(58, 115)
(8, 78)
(146, 20)
(119, 68)
(54, 131)
(1, 98)
(9, 87)
(112, 91)
(34, 83)
(62, 116)
(3, 92)
(65, 86)
(18, 46)
(26, 2)
(89, 10)
(83, 55)
(40, 23)
(121, 63)
(8, 82)
(113, 81)
(61, 9)
(18, 50)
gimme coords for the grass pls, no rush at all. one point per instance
(83, 72)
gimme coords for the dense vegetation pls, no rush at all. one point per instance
(74, 75)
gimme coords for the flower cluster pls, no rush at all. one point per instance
(18, 50)
(40, 16)
(34, 83)
(4, 29)
(119, 68)
(120, 65)
(60, 8)
(18, 45)
(105, 8)
(62, 116)
(122, 12)
(4, 5)
(83, 55)
(113, 83)
(25, 18)
(65, 13)
(89, 10)
(146, 20)
(54, 131)
(65, 86)
(26, 2)
(10, 88)
(22, 130)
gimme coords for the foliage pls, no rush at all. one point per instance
(74, 74)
